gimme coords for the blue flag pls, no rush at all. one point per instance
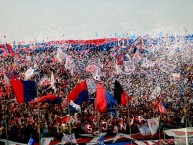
(31, 141)
(101, 140)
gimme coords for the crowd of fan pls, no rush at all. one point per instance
(21, 121)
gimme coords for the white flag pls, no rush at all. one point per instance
(7, 82)
(153, 125)
(29, 73)
(52, 82)
(60, 55)
(117, 68)
(46, 140)
(69, 62)
(69, 138)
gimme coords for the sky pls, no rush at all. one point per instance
(26, 20)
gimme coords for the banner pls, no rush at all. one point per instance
(129, 67)
(153, 125)
(162, 142)
(95, 70)
(144, 130)
(181, 132)
(69, 138)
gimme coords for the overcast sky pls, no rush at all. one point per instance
(86, 19)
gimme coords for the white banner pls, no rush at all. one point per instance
(144, 130)
(163, 142)
(181, 132)
(129, 67)
(69, 138)
(153, 125)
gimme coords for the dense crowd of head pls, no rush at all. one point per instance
(25, 120)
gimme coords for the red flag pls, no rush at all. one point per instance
(101, 102)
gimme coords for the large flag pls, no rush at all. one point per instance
(153, 125)
(25, 91)
(120, 95)
(79, 94)
(104, 100)
(161, 108)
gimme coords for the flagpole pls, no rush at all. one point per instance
(129, 121)
(70, 125)
(186, 123)
(6, 122)
(39, 118)
(98, 124)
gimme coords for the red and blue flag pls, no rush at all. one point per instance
(79, 94)
(25, 91)
(104, 100)
(161, 108)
